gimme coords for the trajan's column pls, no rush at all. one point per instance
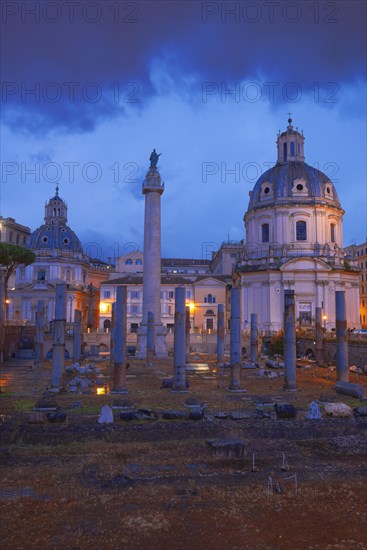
(152, 189)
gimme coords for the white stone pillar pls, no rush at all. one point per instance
(152, 189)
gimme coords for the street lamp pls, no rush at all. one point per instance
(324, 317)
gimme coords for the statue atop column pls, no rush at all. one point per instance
(154, 157)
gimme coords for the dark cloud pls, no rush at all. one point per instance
(61, 60)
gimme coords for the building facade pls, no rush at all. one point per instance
(59, 258)
(294, 240)
(357, 254)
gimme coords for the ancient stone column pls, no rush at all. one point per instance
(342, 374)
(119, 371)
(187, 334)
(150, 339)
(153, 190)
(77, 342)
(58, 350)
(254, 342)
(40, 325)
(290, 348)
(2, 318)
(220, 336)
(112, 334)
(179, 355)
(235, 340)
(319, 335)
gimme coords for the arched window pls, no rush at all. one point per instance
(265, 233)
(299, 148)
(301, 231)
(292, 148)
(285, 151)
(332, 232)
(139, 262)
(210, 299)
(67, 275)
(209, 312)
(17, 238)
(128, 262)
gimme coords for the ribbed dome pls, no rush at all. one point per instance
(293, 182)
(54, 233)
(58, 236)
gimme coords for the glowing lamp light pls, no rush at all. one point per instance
(324, 317)
(191, 306)
(103, 307)
(102, 391)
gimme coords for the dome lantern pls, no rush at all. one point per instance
(290, 144)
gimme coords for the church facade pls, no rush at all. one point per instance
(294, 225)
(59, 258)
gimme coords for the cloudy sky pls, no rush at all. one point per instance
(90, 88)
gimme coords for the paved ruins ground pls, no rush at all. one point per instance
(155, 484)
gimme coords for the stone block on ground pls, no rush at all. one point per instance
(285, 410)
(197, 413)
(337, 410)
(227, 447)
(106, 416)
(56, 417)
(272, 364)
(128, 416)
(168, 383)
(347, 388)
(313, 412)
(249, 365)
(44, 405)
(360, 411)
(221, 415)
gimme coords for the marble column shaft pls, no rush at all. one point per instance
(40, 325)
(342, 374)
(220, 335)
(254, 342)
(77, 342)
(235, 339)
(179, 355)
(119, 371)
(319, 335)
(58, 350)
(290, 345)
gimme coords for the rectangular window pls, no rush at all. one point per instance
(134, 310)
(171, 295)
(332, 232)
(107, 294)
(134, 327)
(209, 324)
(134, 294)
(265, 233)
(188, 294)
(301, 231)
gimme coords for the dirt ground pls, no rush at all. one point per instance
(155, 484)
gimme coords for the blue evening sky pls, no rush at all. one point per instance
(90, 88)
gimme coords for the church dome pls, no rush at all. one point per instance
(292, 180)
(55, 233)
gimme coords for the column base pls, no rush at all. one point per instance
(180, 389)
(160, 341)
(235, 389)
(119, 391)
(290, 387)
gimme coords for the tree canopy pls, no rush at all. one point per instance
(11, 256)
